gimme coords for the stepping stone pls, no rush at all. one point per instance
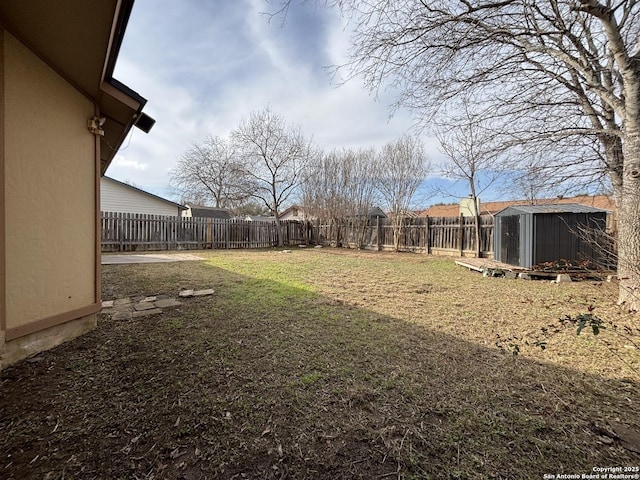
(121, 316)
(122, 301)
(167, 302)
(186, 293)
(144, 313)
(150, 299)
(162, 297)
(200, 293)
(107, 304)
(144, 306)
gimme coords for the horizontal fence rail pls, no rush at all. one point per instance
(126, 232)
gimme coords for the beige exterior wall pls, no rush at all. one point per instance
(50, 194)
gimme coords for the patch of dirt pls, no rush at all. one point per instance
(320, 365)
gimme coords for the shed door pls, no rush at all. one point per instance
(510, 240)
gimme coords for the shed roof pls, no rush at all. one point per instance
(209, 212)
(550, 208)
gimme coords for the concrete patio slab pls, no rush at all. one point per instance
(110, 259)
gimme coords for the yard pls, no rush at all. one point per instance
(330, 364)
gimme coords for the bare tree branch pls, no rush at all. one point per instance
(274, 158)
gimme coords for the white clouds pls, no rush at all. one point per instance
(203, 66)
(120, 162)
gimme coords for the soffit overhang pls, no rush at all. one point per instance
(80, 40)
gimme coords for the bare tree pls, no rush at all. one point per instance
(361, 171)
(275, 156)
(210, 173)
(340, 189)
(532, 183)
(324, 192)
(403, 167)
(252, 208)
(561, 76)
(468, 145)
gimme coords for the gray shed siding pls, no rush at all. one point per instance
(525, 238)
(548, 233)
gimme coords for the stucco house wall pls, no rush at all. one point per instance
(119, 197)
(62, 119)
(50, 206)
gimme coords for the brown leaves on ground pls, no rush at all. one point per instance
(324, 364)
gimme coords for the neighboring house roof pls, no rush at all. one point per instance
(377, 212)
(603, 202)
(406, 214)
(117, 202)
(450, 210)
(82, 40)
(292, 209)
(209, 212)
(296, 212)
(549, 208)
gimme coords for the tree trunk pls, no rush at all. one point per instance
(629, 207)
(476, 214)
(398, 223)
(615, 162)
(478, 246)
(279, 235)
(629, 224)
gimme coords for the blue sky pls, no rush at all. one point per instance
(204, 65)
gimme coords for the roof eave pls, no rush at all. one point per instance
(118, 103)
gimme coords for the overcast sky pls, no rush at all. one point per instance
(204, 65)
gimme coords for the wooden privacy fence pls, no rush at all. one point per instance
(436, 235)
(126, 232)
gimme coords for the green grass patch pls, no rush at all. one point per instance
(328, 363)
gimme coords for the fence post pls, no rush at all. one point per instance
(461, 236)
(427, 236)
(378, 233)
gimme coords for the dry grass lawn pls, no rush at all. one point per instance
(329, 364)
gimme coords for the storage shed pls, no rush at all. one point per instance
(527, 235)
